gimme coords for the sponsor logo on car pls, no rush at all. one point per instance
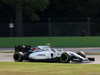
(41, 55)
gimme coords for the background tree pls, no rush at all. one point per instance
(72, 8)
(27, 6)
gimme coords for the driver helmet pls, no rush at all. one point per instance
(48, 44)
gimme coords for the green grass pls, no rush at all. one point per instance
(6, 51)
(10, 42)
(34, 68)
(92, 53)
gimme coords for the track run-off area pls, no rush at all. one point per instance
(8, 57)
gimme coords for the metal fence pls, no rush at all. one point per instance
(56, 27)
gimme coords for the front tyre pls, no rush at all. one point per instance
(65, 58)
(18, 56)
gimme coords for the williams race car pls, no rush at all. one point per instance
(43, 53)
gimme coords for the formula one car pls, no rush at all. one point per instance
(43, 53)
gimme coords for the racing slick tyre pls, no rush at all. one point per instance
(81, 53)
(65, 58)
(18, 56)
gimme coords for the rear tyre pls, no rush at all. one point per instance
(65, 58)
(18, 56)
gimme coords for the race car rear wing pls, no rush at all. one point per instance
(22, 48)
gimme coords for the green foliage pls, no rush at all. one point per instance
(58, 8)
(8, 1)
(33, 6)
(30, 6)
(75, 8)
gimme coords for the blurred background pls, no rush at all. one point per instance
(25, 18)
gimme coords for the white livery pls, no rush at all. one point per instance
(45, 53)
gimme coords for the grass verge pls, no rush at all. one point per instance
(33, 68)
(92, 53)
(6, 51)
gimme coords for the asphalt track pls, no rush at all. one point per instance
(8, 57)
(85, 49)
